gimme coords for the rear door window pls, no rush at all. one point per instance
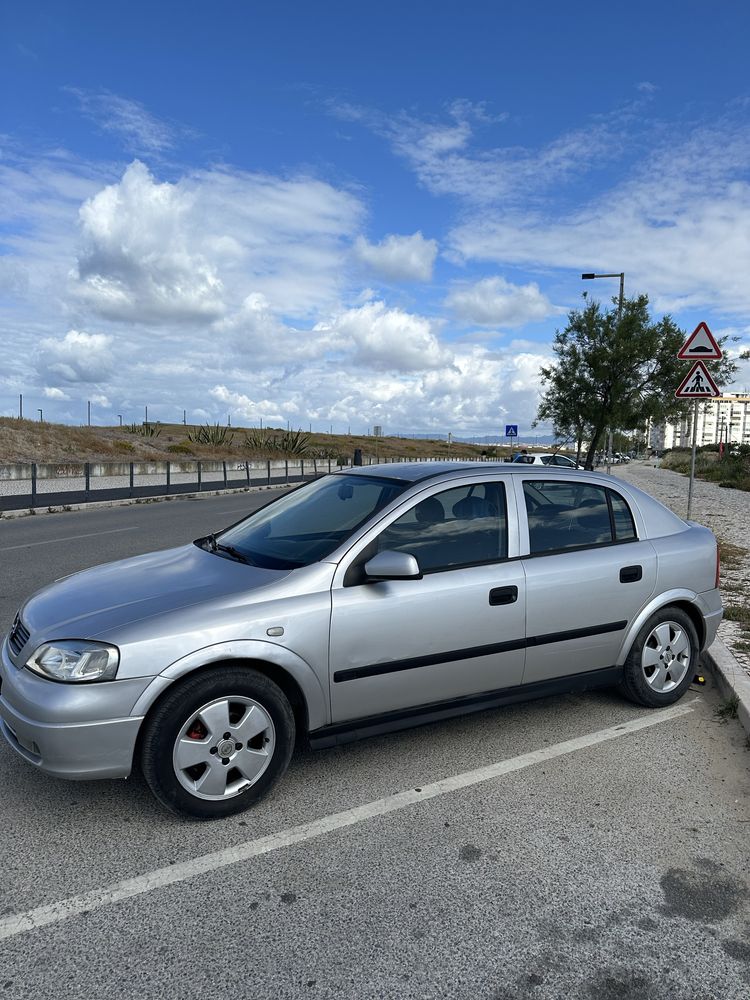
(572, 515)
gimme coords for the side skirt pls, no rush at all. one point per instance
(389, 722)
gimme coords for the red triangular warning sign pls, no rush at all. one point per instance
(697, 384)
(700, 344)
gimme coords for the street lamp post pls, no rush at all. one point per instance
(621, 276)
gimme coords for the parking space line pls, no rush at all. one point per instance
(54, 913)
(67, 538)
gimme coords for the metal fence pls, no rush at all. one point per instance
(35, 485)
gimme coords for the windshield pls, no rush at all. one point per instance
(307, 525)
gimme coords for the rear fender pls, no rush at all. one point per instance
(660, 601)
(316, 699)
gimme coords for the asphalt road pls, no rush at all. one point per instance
(611, 863)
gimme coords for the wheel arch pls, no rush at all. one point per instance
(294, 676)
(685, 600)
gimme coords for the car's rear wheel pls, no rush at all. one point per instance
(663, 659)
(217, 742)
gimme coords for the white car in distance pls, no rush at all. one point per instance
(556, 461)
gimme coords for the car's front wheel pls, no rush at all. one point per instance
(217, 742)
(663, 660)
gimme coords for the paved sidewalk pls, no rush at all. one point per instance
(727, 513)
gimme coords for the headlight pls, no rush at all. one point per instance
(69, 660)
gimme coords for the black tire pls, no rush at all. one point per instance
(175, 711)
(635, 685)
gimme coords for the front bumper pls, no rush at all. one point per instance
(77, 731)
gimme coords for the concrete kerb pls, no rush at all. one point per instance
(98, 504)
(731, 678)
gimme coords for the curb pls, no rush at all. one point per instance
(129, 501)
(731, 678)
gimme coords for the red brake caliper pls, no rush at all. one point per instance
(197, 731)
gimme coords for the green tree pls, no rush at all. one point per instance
(616, 370)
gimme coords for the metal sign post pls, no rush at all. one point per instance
(692, 458)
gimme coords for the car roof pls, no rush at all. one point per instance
(415, 472)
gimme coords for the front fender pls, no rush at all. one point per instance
(659, 601)
(245, 649)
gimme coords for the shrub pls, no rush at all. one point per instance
(179, 449)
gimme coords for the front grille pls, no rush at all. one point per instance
(19, 636)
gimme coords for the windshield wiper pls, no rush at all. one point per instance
(231, 551)
(210, 544)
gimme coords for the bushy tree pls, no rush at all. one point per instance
(616, 370)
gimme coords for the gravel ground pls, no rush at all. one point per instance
(725, 511)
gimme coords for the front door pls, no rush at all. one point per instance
(457, 631)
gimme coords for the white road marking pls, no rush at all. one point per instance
(68, 538)
(54, 913)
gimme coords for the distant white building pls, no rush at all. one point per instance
(725, 418)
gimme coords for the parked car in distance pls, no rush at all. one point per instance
(359, 603)
(554, 460)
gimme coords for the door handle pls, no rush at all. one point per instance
(503, 595)
(631, 574)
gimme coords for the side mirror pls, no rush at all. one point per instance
(390, 565)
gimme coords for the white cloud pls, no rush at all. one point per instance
(140, 262)
(387, 339)
(678, 224)
(496, 302)
(139, 129)
(253, 411)
(399, 258)
(191, 251)
(77, 357)
(51, 392)
(443, 156)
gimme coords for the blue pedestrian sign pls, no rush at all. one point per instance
(511, 430)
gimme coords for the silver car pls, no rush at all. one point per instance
(362, 602)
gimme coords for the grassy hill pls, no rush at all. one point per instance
(34, 441)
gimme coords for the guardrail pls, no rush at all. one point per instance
(35, 485)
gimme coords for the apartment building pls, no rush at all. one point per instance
(725, 418)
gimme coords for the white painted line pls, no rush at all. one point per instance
(54, 913)
(68, 538)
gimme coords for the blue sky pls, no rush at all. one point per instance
(354, 215)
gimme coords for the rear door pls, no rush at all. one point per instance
(457, 631)
(587, 574)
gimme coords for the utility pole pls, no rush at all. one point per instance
(184, 418)
(119, 417)
(20, 406)
(41, 418)
(88, 412)
(147, 416)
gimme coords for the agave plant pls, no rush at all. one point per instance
(259, 440)
(144, 430)
(294, 442)
(279, 442)
(212, 435)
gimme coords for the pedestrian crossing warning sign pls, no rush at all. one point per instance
(697, 384)
(700, 344)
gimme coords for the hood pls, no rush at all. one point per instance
(118, 593)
